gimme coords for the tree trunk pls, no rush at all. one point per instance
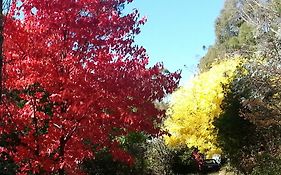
(61, 153)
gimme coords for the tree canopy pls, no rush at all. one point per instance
(73, 82)
(195, 106)
(249, 29)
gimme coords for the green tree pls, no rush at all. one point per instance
(251, 29)
(237, 137)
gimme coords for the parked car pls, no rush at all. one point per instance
(210, 165)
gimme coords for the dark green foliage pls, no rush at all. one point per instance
(152, 157)
(9, 140)
(233, 43)
(162, 160)
(134, 144)
(236, 136)
(228, 23)
(182, 162)
(104, 163)
(267, 165)
(251, 118)
(234, 36)
(242, 42)
(246, 36)
(131, 139)
(14, 96)
(214, 53)
(7, 165)
(158, 157)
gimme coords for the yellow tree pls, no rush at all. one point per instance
(195, 106)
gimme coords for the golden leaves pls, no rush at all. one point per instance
(194, 107)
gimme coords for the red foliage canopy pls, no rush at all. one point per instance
(74, 78)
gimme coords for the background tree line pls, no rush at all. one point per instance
(251, 29)
(232, 107)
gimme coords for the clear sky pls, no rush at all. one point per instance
(176, 31)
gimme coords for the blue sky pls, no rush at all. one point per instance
(176, 31)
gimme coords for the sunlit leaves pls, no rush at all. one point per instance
(75, 81)
(194, 107)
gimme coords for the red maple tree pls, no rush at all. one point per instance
(73, 81)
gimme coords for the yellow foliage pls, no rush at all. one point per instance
(194, 107)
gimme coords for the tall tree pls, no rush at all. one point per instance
(252, 28)
(194, 108)
(73, 82)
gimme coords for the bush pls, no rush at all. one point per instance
(162, 160)
(158, 157)
(267, 164)
(105, 164)
(237, 137)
